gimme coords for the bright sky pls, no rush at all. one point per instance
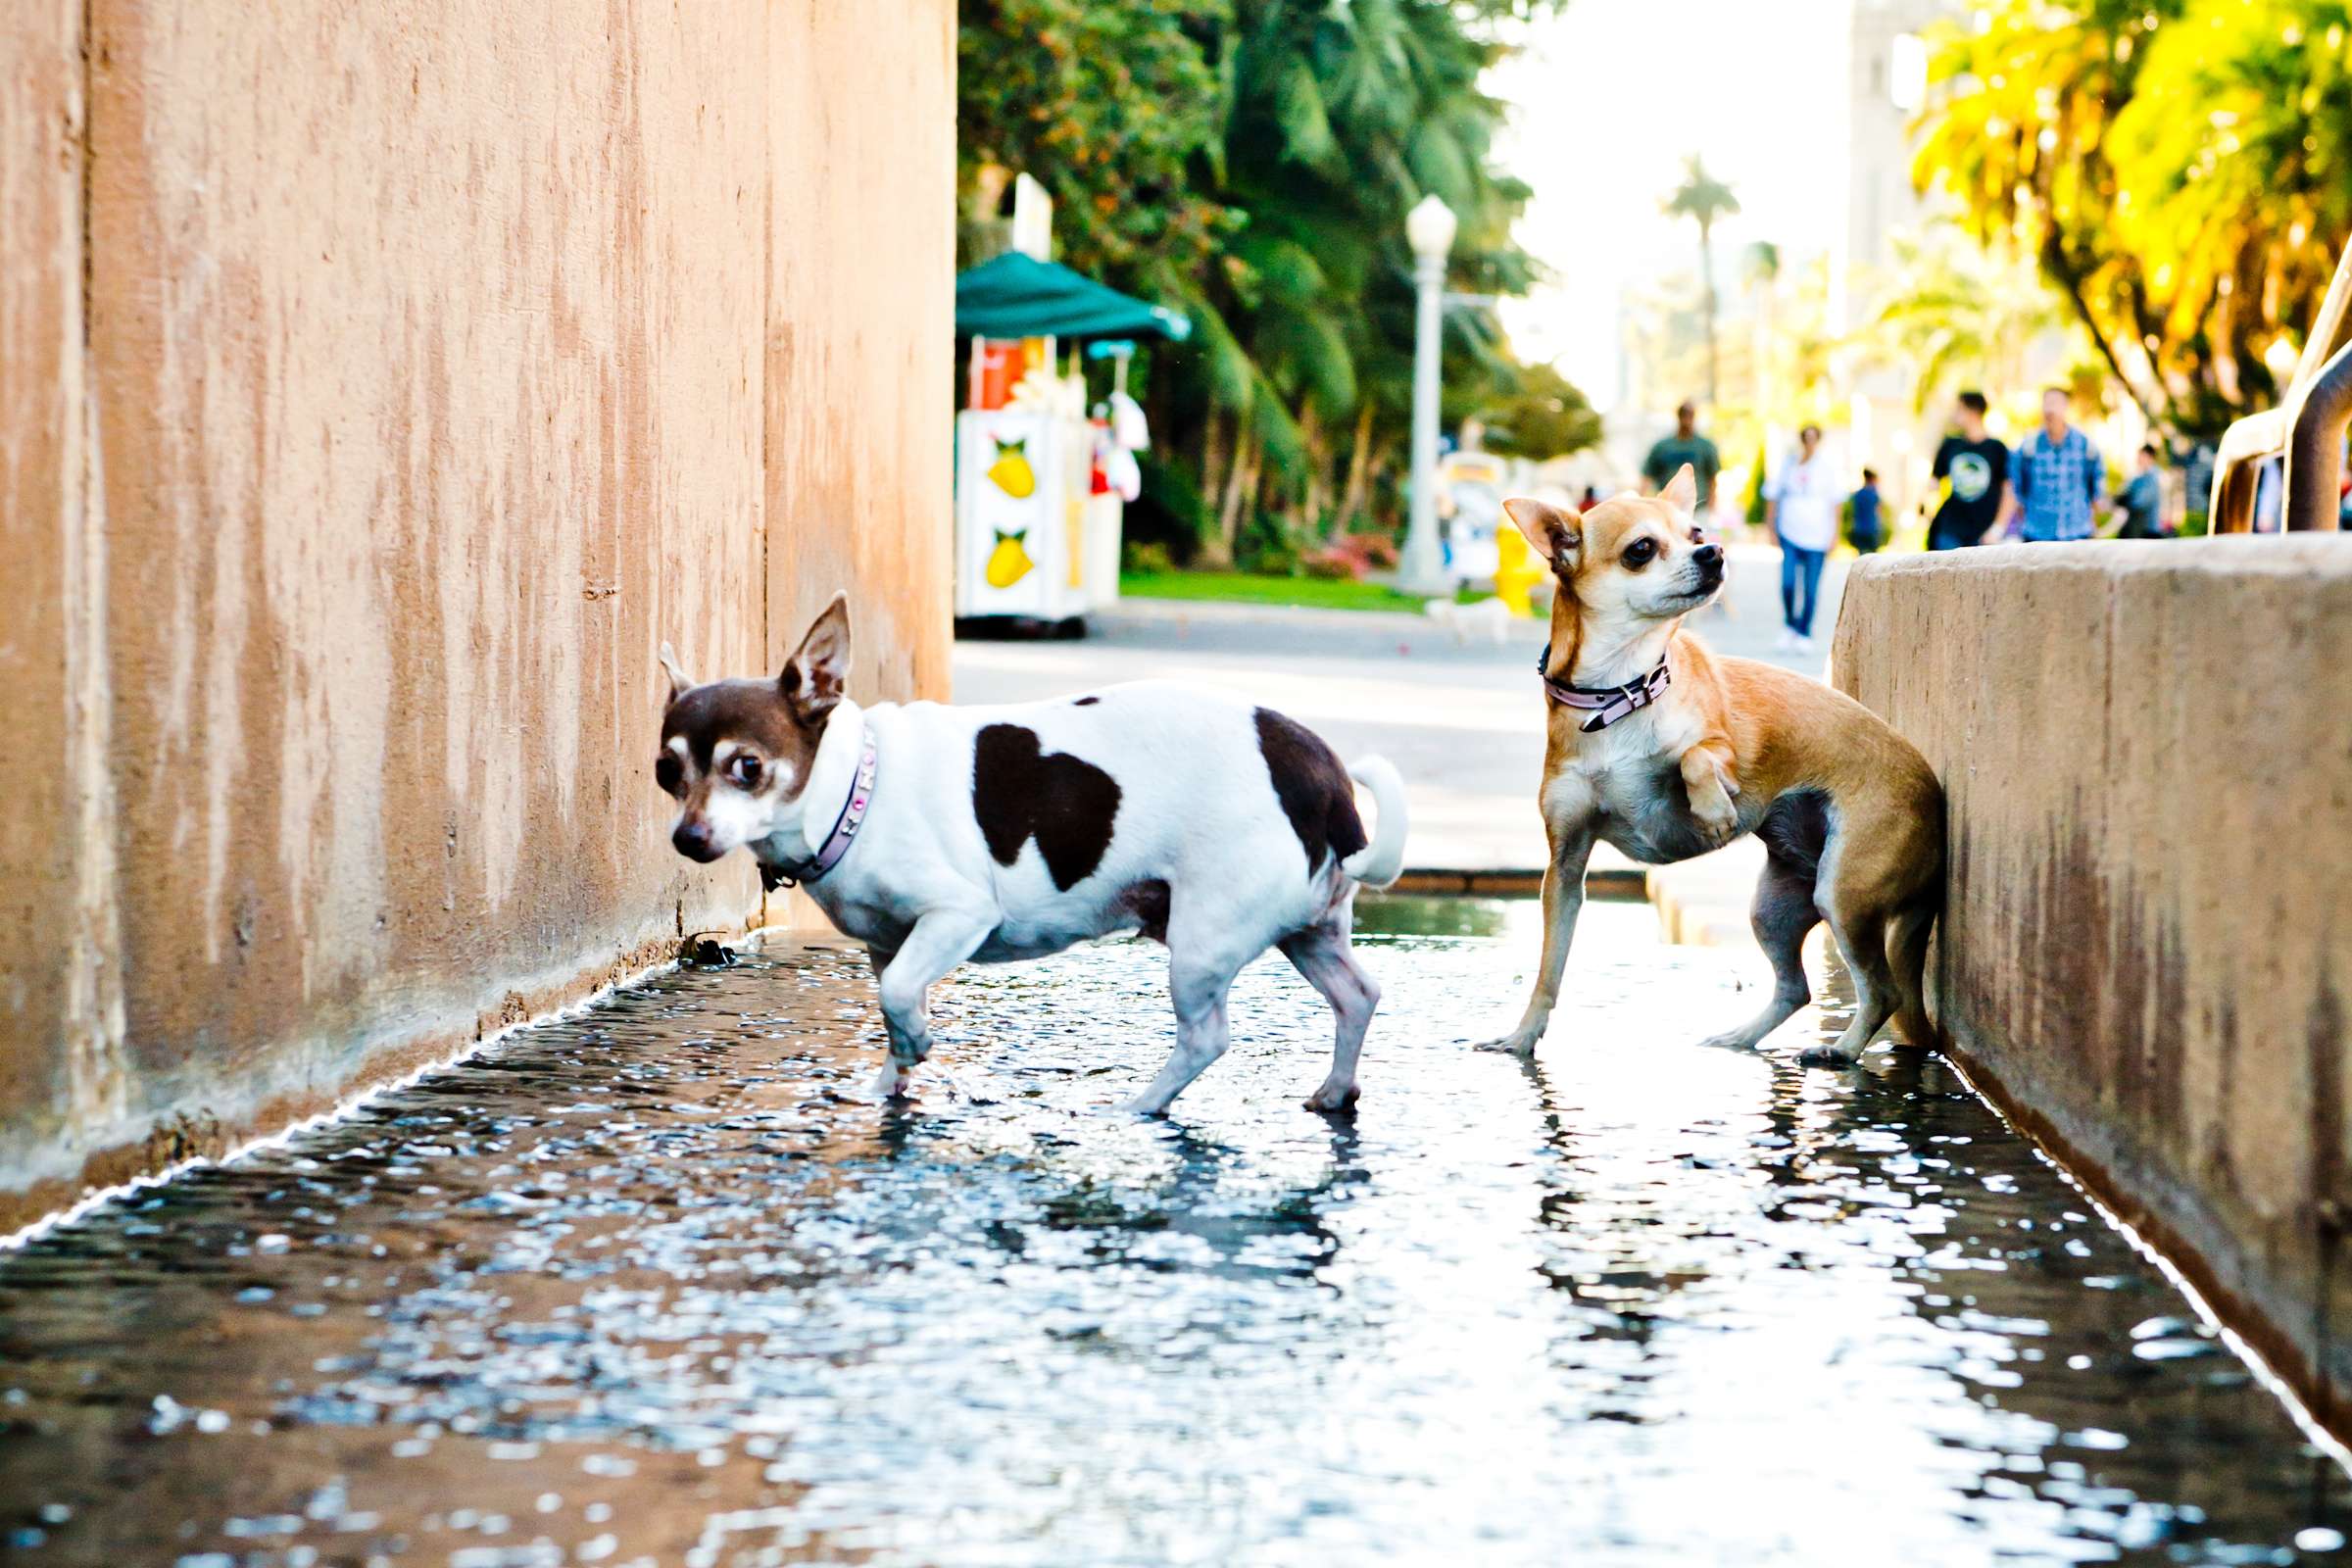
(1610, 96)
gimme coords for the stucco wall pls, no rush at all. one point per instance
(378, 386)
(2148, 946)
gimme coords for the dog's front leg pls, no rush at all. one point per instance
(1563, 901)
(940, 941)
(1708, 779)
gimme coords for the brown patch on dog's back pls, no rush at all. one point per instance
(1021, 792)
(1313, 788)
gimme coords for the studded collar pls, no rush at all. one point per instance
(792, 874)
(1606, 703)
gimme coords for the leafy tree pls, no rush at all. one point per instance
(2180, 170)
(2236, 213)
(1706, 201)
(1342, 116)
(1106, 104)
(1250, 162)
(1956, 314)
(1544, 417)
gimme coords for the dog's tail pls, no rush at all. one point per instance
(1381, 862)
(1907, 954)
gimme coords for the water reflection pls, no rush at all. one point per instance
(656, 1285)
(1415, 915)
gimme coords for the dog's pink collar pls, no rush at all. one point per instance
(1607, 704)
(792, 873)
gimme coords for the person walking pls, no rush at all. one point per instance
(1800, 507)
(2056, 480)
(1975, 469)
(2196, 480)
(1867, 507)
(2143, 500)
(1685, 445)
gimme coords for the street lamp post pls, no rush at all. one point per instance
(1429, 229)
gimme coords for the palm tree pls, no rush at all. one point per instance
(1271, 211)
(1336, 119)
(1703, 198)
(1958, 313)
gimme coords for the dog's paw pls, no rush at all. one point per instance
(1729, 1040)
(1518, 1043)
(894, 1084)
(1718, 820)
(1328, 1101)
(1825, 1055)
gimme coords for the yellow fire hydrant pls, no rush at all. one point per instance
(1516, 570)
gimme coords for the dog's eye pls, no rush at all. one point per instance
(1638, 554)
(744, 770)
(667, 773)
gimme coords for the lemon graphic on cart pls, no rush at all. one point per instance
(1013, 476)
(1009, 562)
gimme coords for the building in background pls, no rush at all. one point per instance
(1885, 83)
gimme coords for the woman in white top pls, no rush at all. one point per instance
(1801, 506)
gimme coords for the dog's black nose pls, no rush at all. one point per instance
(1708, 557)
(693, 841)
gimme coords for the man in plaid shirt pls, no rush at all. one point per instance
(2057, 479)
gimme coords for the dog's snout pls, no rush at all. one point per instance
(1709, 558)
(692, 838)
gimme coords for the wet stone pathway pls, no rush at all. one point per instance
(655, 1286)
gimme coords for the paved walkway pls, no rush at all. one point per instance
(1463, 723)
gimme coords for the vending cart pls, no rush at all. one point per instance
(1038, 479)
(1021, 483)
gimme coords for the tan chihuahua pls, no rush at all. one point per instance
(1666, 751)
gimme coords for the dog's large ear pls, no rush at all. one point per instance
(1681, 491)
(679, 680)
(816, 675)
(1556, 533)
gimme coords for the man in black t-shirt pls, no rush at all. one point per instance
(1978, 469)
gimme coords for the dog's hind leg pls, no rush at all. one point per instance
(1907, 952)
(940, 941)
(1323, 956)
(1861, 936)
(1782, 915)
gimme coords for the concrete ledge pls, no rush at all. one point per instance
(2147, 951)
(1601, 881)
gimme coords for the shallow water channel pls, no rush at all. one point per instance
(655, 1285)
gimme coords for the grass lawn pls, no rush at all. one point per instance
(1255, 588)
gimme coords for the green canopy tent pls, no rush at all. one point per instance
(1018, 296)
(1029, 542)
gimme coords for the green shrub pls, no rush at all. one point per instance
(1145, 556)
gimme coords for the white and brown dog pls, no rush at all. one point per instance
(937, 834)
(1664, 750)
